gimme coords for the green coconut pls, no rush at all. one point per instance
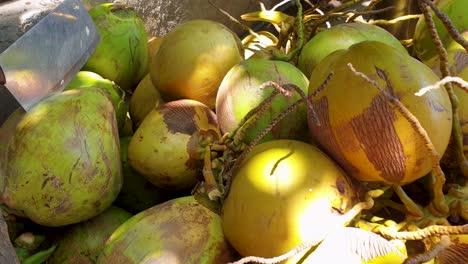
(83, 242)
(240, 92)
(122, 54)
(63, 162)
(137, 193)
(456, 10)
(7, 130)
(193, 59)
(178, 231)
(341, 36)
(85, 79)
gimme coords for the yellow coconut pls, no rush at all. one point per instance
(359, 126)
(193, 59)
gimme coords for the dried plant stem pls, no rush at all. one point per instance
(373, 4)
(454, 33)
(235, 21)
(313, 27)
(217, 147)
(322, 86)
(354, 14)
(413, 208)
(368, 203)
(438, 174)
(278, 55)
(394, 205)
(438, 181)
(430, 254)
(384, 22)
(457, 198)
(256, 113)
(448, 79)
(457, 133)
(294, 252)
(210, 182)
(368, 11)
(429, 231)
(298, 90)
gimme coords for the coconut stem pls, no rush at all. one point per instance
(457, 133)
(313, 27)
(394, 205)
(278, 55)
(256, 113)
(413, 208)
(454, 33)
(457, 198)
(438, 175)
(295, 251)
(462, 84)
(210, 182)
(368, 203)
(430, 254)
(234, 20)
(384, 22)
(429, 231)
(298, 90)
(369, 8)
(438, 181)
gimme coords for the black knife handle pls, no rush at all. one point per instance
(2, 77)
(8, 104)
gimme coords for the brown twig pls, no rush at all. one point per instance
(298, 90)
(373, 4)
(210, 182)
(413, 208)
(429, 231)
(354, 14)
(323, 19)
(322, 86)
(256, 113)
(278, 55)
(457, 132)
(454, 33)
(449, 79)
(430, 254)
(385, 22)
(295, 251)
(235, 21)
(366, 12)
(367, 204)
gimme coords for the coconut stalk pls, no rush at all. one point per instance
(445, 70)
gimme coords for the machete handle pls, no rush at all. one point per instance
(8, 103)
(2, 77)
